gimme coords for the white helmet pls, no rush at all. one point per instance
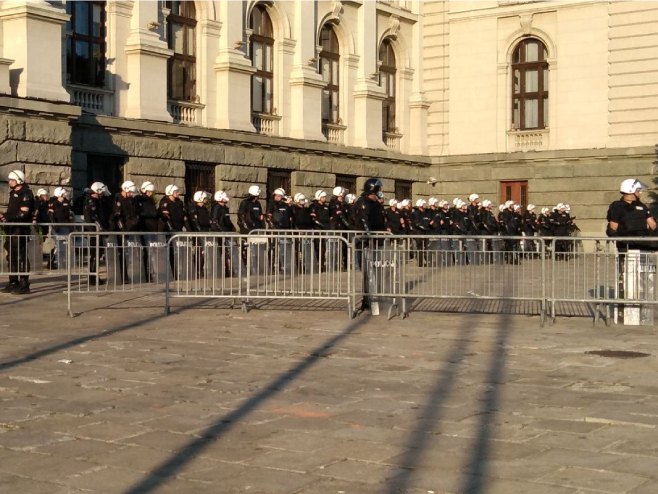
(393, 202)
(254, 190)
(530, 207)
(545, 211)
(404, 203)
(338, 191)
(299, 198)
(473, 197)
(567, 208)
(509, 204)
(221, 196)
(486, 203)
(461, 204)
(517, 207)
(350, 198)
(97, 187)
(170, 189)
(128, 186)
(433, 201)
(17, 175)
(279, 192)
(455, 201)
(559, 205)
(42, 192)
(147, 187)
(200, 196)
(60, 192)
(421, 203)
(320, 193)
(631, 186)
(443, 203)
(501, 207)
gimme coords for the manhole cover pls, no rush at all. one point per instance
(617, 353)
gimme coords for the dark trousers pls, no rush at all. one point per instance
(17, 256)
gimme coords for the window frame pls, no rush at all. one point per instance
(389, 71)
(521, 97)
(332, 87)
(189, 87)
(265, 39)
(74, 37)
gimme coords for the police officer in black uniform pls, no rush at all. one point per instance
(220, 217)
(94, 211)
(19, 210)
(40, 216)
(630, 217)
(172, 210)
(250, 212)
(279, 214)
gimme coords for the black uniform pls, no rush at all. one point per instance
(19, 210)
(149, 218)
(250, 215)
(370, 214)
(220, 218)
(60, 211)
(200, 218)
(302, 217)
(173, 214)
(394, 221)
(279, 215)
(338, 215)
(321, 215)
(125, 217)
(92, 212)
(632, 222)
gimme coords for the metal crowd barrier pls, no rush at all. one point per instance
(37, 248)
(615, 282)
(397, 274)
(252, 267)
(410, 271)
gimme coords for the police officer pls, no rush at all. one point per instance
(172, 210)
(630, 217)
(338, 210)
(199, 214)
(40, 216)
(279, 214)
(125, 217)
(394, 219)
(149, 218)
(320, 211)
(301, 214)
(250, 212)
(19, 210)
(220, 217)
(59, 211)
(93, 211)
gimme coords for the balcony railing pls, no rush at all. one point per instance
(335, 133)
(392, 140)
(185, 112)
(96, 100)
(265, 123)
(402, 4)
(527, 140)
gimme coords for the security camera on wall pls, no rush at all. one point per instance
(432, 181)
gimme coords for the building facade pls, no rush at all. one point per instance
(536, 101)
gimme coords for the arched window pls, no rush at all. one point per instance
(329, 61)
(85, 44)
(387, 72)
(181, 36)
(529, 85)
(261, 49)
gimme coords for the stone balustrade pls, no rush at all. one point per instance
(96, 100)
(185, 112)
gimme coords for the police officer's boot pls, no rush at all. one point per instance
(10, 287)
(23, 288)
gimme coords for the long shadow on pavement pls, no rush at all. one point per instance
(212, 433)
(79, 341)
(476, 466)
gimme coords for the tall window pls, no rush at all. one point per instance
(387, 81)
(198, 176)
(529, 85)
(261, 49)
(85, 45)
(181, 36)
(329, 60)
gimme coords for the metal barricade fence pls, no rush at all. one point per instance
(614, 278)
(405, 271)
(37, 248)
(102, 262)
(262, 266)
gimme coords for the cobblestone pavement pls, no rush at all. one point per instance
(124, 400)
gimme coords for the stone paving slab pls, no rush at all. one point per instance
(124, 400)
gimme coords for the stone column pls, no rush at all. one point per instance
(368, 96)
(415, 139)
(233, 72)
(146, 57)
(32, 37)
(305, 82)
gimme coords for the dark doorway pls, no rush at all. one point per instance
(199, 176)
(516, 191)
(107, 169)
(347, 182)
(402, 189)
